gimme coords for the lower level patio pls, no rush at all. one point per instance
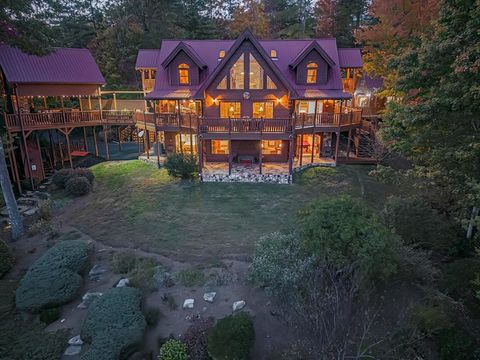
(271, 173)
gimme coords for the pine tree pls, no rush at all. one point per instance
(250, 14)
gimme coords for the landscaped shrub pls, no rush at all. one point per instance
(191, 277)
(459, 280)
(54, 278)
(420, 225)
(232, 338)
(78, 186)
(195, 338)
(152, 315)
(60, 177)
(456, 344)
(123, 262)
(114, 325)
(49, 316)
(6, 259)
(41, 226)
(173, 350)
(342, 231)
(182, 165)
(84, 172)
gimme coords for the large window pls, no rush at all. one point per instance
(263, 109)
(183, 74)
(312, 73)
(219, 147)
(237, 74)
(230, 109)
(183, 143)
(272, 147)
(222, 85)
(270, 84)
(308, 107)
(256, 74)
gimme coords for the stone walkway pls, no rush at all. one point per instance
(271, 173)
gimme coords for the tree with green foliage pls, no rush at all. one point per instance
(250, 14)
(437, 125)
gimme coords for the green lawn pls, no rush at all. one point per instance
(137, 205)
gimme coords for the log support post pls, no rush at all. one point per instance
(105, 139)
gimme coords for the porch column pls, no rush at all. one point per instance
(191, 134)
(24, 138)
(119, 138)
(105, 140)
(301, 140)
(260, 160)
(147, 142)
(67, 137)
(337, 144)
(158, 147)
(94, 128)
(320, 150)
(229, 156)
(200, 155)
(313, 131)
(85, 138)
(290, 154)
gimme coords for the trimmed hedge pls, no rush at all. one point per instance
(114, 325)
(78, 186)
(173, 350)
(61, 177)
(232, 338)
(54, 278)
(6, 259)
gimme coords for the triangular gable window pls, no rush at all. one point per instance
(256, 74)
(270, 84)
(237, 74)
(222, 85)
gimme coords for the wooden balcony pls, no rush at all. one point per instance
(66, 119)
(246, 128)
(350, 118)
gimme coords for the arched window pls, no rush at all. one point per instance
(183, 74)
(312, 73)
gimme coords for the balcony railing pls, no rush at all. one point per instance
(49, 120)
(329, 120)
(244, 125)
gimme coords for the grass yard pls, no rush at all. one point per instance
(136, 205)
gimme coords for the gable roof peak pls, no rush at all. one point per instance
(182, 46)
(313, 45)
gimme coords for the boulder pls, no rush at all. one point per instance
(238, 305)
(209, 297)
(122, 282)
(188, 303)
(76, 341)
(73, 350)
(88, 299)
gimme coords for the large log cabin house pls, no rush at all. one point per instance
(260, 104)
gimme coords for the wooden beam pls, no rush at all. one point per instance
(94, 128)
(11, 151)
(348, 143)
(337, 145)
(301, 141)
(85, 138)
(291, 154)
(313, 131)
(24, 138)
(260, 158)
(67, 137)
(147, 141)
(158, 148)
(191, 134)
(119, 138)
(229, 157)
(105, 139)
(200, 155)
(41, 158)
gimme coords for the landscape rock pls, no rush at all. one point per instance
(188, 303)
(88, 299)
(73, 350)
(122, 282)
(209, 297)
(96, 272)
(31, 211)
(76, 341)
(238, 305)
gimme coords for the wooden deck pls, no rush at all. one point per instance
(66, 119)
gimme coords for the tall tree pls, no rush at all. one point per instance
(290, 18)
(250, 14)
(26, 24)
(397, 25)
(340, 19)
(437, 125)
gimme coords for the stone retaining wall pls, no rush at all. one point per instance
(248, 178)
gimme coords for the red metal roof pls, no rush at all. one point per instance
(350, 57)
(147, 59)
(62, 66)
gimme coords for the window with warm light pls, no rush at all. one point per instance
(272, 147)
(273, 54)
(222, 85)
(183, 74)
(237, 74)
(263, 109)
(219, 147)
(270, 84)
(256, 74)
(312, 73)
(230, 109)
(221, 54)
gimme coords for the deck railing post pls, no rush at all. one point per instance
(229, 126)
(191, 133)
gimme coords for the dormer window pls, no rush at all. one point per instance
(183, 74)
(221, 55)
(312, 73)
(273, 54)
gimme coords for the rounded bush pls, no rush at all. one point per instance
(60, 177)
(54, 279)
(83, 172)
(173, 350)
(231, 338)
(6, 258)
(49, 316)
(78, 186)
(181, 165)
(114, 325)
